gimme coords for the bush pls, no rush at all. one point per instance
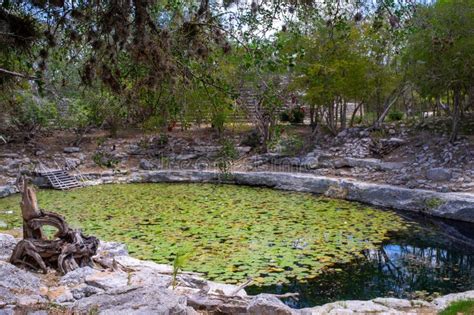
(30, 112)
(297, 115)
(252, 139)
(226, 155)
(289, 145)
(395, 115)
(104, 159)
(294, 115)
(285, 116)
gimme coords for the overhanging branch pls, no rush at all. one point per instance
(17, 74)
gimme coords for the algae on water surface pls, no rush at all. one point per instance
(232, 232)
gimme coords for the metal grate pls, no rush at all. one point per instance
(60, 179)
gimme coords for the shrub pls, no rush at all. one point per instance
(252, 139)
(395, 115)
(104, 159)
(294, 115)
(297, 115)
(226, 155)
(285, 116)
(30, 112)
(292, 145)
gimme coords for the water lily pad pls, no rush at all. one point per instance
(235, 232)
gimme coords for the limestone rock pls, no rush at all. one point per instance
(83, 290)
(71, 149)
(146, 165)
(133, 300)
(60, 295)
(184, 157)
(264, 304)
(77, 276)
(439, 174)
(71, 163)
(399, 304)
(107, 280)
(224, 289)
(7, 244)
(112, 249)
(7, 191)
(134, 263)
(444, 301)
(347, 307)
(19, 287)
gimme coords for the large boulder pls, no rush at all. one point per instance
(135, 300)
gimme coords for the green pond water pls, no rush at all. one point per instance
(228, 232)
(323, 248)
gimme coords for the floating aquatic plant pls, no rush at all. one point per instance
(235, 231)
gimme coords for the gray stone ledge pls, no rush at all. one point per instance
(7, 191)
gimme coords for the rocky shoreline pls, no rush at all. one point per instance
(132, 286)
(456, 206)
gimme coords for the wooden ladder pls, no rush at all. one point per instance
(61, 179)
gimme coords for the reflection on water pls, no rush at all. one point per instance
(432, 257)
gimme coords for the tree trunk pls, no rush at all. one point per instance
(455, 116)
(69, 249)
(389, 102)
(359, 106)
(312, 116)
(343, 115)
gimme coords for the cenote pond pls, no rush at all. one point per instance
(324, 249)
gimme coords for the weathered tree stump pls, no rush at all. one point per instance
(68, 250)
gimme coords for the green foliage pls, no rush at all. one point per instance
(290, 145)
(104, 159)
(433, 203)
(459, 307)
(236, 231)
(437, 55)
(329, 53)
(345, 64)
(294, 115)
(226, 155)
(251, 139)
(395, 115)
(27, 112)
(179, 262)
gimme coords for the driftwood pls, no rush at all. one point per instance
(68, 250)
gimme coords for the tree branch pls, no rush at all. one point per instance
(17, 74)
